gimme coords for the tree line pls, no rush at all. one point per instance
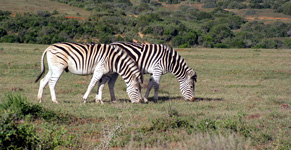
(120, 20)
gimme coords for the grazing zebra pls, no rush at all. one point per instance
(84, 59)
(156, 59)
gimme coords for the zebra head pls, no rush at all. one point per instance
(187, 86)
(134, 89)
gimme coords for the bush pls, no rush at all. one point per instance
(285, 8)
(22, 108)
(236, 5)
(184, 46)
(9, 38)
(266, 43)
(287, 43)
(2, 32)
(16, 136)
(238, 43)
(209, 5)
(16, 131)
(43, 13)
(220, 32)
(221, 45)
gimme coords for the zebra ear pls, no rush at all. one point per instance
(138, 77)
(193, 75)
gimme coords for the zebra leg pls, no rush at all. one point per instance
(53, 81)
(154, 81)
(100, 88)
(43, 83)
(156, 86)
(149, 87)
(111, 84)
(98, 73)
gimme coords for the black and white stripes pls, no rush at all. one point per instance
(158, 59)
(84, 59)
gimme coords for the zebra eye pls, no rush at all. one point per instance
(136, 90)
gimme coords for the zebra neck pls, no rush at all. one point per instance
(181, 74)
(178, 67)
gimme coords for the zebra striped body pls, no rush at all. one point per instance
(158, 59)
(84, 59)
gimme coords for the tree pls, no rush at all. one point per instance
(220, 32)
(2, 32)
(266, 43)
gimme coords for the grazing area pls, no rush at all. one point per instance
(243, 99)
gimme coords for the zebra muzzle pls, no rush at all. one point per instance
(193, 99)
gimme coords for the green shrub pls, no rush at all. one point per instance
(287, 43)
(9, 38)
(17, 131)
(16, 136)
(184, 46)
(266, 43)
(221, 45)
(2, 32)
(164, 124)
(21, 108)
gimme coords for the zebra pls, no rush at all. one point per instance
(100, 60)
(156, 59)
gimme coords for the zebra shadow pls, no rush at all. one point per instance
(75, 102)
(162, 99)
(167, 98)
(207, 99)
(150, 99)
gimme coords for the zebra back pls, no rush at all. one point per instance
(82, 59)
(147, 55)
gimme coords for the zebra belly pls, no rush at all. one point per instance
(79, 71)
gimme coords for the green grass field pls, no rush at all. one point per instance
(243, 99)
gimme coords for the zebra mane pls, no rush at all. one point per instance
(123, 51)
(178, 65)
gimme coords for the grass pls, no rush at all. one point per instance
(240, 96)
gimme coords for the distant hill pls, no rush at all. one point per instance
(187, 23)
(32, 6)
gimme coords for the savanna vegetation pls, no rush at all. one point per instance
(242, 102)
(242, 95)
(148, 21)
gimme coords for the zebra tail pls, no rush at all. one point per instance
(42, 66)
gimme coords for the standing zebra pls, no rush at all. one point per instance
(156, 59)
(84, 59)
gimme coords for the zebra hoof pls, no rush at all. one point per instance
(155, 100)
(145, 101)
(56, 102)
(113, 101)
(135, 102)
(99, 101)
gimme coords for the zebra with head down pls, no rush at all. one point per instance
(84, 59)
(156, 59)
